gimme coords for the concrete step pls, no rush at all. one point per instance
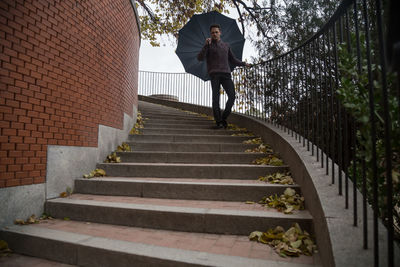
(172, 138)
(195, 189)
(189, 131)
(94, 244)
(208, 126)
(189, 157)
(174, 117)
(180, 170)
(180, 121)
(188, 147)
(218, 217)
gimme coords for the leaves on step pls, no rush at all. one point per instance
(278, 178)
(112, 158)
(255, 141)
(250, 202)
(67, 192)
(285, 203)
(260, 149)
(294, 242)
(206, 116)
(234, 127)
(124, 148)
(139, 124)
(269, 160)
(32, 219)
(95, 173)
(4, 249)
(243, 134)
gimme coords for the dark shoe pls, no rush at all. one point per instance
(224, 124)
(218, 126)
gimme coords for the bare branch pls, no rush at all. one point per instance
(259, 27)
(147, 9)
(240, 15)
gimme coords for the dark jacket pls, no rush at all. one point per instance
(218, 56)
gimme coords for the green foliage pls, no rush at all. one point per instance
(354, 95)
(168, 17)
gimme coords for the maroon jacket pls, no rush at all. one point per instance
(218, 56)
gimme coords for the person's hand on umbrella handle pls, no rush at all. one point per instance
(208, 41)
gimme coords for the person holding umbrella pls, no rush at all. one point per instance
(219, 58)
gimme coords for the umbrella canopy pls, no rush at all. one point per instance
(193, 35)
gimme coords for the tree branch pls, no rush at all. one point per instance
(250, 10)
(240, 15)
(147, 9)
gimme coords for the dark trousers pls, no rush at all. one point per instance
(224, 79)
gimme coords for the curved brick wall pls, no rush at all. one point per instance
(66, 67)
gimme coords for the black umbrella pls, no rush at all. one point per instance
(193, 35)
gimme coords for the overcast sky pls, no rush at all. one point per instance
(164, 59)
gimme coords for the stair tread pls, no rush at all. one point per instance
(182, 247)
(192, 164)
(179, 205)
(232, 182)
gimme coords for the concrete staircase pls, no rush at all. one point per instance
(178, 199)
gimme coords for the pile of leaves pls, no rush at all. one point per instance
(113, 158)
(254, 141)
(285, 203)
(262, 148)
(32, 219)
(294, 242)
(138, 125)
(124, 148)
(243, 134)
(95, 173)
(206, 116)
(234, 127)
(272, 159)
(278, 178)
(67, 192)
(4, 249)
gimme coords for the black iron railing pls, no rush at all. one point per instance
(335, 95)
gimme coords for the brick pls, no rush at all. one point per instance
(15, 139)
(34, 173)
(14, 168)
(9, 132)
(24, 119)
(17, 125)
(12, 103)
(21, 160)
(6, 146)
(7, 175)
(39, 180)
(12, 182)
(7, 161)
(26, 181)
(34, 161)
(29, 140)
(19, 112)
(21, 174)
(24, 133)
(22, 147)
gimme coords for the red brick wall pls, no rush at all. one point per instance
(66, 67)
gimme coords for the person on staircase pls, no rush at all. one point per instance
(218, 55)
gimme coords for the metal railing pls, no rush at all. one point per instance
(333, 94)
